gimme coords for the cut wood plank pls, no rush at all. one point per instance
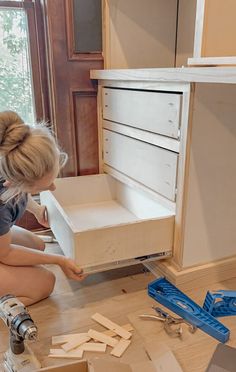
(62, 339)
(59, 353)
(76, 342)
(98, 336)
(112, 326)
(93, 346)
(110, 333)
(120, 348)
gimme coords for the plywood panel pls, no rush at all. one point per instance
(219, 28)
(185, 31)
(140, 34)
(210, 232)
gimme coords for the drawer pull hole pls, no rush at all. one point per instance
(106, 105)
(171, 104)
(170, 121)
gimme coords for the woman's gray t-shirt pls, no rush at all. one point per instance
(11, 211)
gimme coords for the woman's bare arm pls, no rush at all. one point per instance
(15, 255)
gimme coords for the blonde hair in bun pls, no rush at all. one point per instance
(27, 153)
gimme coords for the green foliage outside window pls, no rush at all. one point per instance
(15, 73)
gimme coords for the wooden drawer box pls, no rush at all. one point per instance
(100, 220)
(152, 166)
(157, 112)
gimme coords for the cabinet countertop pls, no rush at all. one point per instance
(179, 75)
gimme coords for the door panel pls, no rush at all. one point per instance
(73, 94)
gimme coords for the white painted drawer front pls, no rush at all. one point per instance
(150, 165)
(157, 112)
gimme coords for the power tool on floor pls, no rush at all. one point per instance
(18, 357)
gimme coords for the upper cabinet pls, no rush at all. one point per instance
(173, 33)
(148, 34)
(215, 29)
(139, 34)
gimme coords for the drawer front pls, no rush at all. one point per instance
(157, 112)
(123, 242)
(152, 166)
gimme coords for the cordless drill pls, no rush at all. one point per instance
(18, 357)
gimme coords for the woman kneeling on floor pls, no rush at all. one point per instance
(30, 160)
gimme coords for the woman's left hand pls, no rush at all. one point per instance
(42, 216)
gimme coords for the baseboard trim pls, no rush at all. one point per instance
(197, 276)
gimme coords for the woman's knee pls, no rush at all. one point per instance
(49, 283)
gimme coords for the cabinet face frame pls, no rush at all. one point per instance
(200, 56)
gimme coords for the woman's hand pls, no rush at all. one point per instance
(39, 211)
(41, 215)
(71, 270)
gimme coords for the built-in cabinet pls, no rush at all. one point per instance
(191, 118)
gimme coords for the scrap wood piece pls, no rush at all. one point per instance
(120, 348)
(62, 339)
(162, 356)
(112, 326)
(128, 328)
(59, 353)
(99, 336)
(76, 342)
(93, 346)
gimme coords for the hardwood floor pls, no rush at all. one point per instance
(120, 295)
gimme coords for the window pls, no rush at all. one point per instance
(23, 76)
(87, 26)
(16, 90)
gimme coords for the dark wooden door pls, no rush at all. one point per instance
(73, 95)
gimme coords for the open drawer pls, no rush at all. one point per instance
(99, 221)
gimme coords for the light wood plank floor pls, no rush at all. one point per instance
(120, 295)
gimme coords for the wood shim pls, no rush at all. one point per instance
(128, 328)
(120, 348)
(62, 339)
(112, 326)
(76, 342)
(98, 336)
(59, 353)
(93, 346)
